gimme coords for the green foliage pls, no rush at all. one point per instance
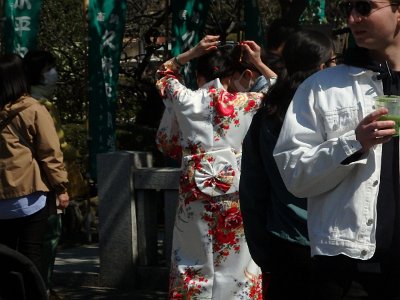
(62, 32)
(333, 14)
(139, 138)
(139, 107)
(270, 10)
(76, 135)
(134, 137)
(312, 14)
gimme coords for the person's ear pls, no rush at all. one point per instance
(398, 14)
(248, 74)
(200, 81)
(323, 66)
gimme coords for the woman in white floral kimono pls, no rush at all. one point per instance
(206, 128)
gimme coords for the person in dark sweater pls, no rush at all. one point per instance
(334, 149)
(274, 220)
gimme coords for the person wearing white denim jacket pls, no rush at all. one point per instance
(317, 136)
(310, 151)
(330, 151)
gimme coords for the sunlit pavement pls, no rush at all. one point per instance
(76, 276)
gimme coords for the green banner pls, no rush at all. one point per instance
(21, 25)
(188, 22)
(253, 22)
(106, 20)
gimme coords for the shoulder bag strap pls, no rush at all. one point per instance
(11, 116)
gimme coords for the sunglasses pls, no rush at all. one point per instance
(363, 8)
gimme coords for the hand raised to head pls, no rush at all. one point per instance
(253, 56)
(253, 51)
(206, 44)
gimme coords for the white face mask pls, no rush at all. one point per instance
(50, 77)
(239, 87)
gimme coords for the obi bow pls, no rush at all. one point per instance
(219, 175)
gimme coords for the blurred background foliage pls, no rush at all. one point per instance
(145, 46)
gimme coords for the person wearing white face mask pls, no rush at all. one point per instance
(50, 78)
(41, 73)
(247, 78)
(42, 76)
(245, 81)
(205, 129)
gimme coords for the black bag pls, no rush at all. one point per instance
(19, 277)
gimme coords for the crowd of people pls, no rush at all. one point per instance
(289, 188)
(289, 185)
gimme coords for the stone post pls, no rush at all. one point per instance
(117, 216)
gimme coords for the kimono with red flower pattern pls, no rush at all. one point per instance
(206, 128)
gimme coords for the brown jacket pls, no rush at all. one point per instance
(21, 153)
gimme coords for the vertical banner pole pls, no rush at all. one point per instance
(253, 23)
(106, 24)
(188, 22)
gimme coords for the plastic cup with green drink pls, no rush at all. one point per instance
(392, 103)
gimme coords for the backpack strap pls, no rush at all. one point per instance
(14, 113)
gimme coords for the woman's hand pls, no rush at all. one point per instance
(370, 131)
(207, 44)
(63, 200)
(253, 52)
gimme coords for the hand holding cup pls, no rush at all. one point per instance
(392, 103)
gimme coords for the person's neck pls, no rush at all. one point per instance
(225, 82)
(391, 56)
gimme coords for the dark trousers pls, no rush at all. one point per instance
(50, 244)
(26, 235)
(341, 277)
(289, 268)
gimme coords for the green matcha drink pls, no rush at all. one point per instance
(393, 118)
(392, 103)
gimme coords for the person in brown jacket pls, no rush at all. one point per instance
(41, 74)
(31, 163)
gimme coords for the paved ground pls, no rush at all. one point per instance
(82, 292)
(76, 276)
